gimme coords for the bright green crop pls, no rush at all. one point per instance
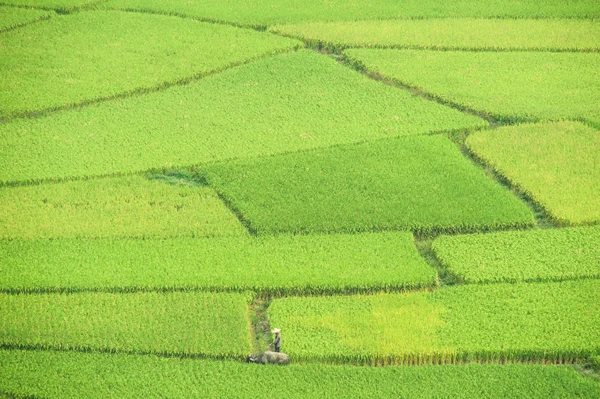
(90, 55)
(552, 321)
(557, 164)
(417, 183)
(535, 255)
(276, 264)
(151, 322)
(452, 33)
(63, 6)
(130, 206)
(286, 103)
(268, 12)
(506, 85)
(12, 17)
(63, 375)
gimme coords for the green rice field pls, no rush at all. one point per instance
(408, 190)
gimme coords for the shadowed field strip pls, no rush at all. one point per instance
(304, 264)
(64, 375)
(63, 6)
(543, 321)
(13, 17)
(556, 164)
(268, 12)
(512, 256)
(412, 183)
(285, 103)
(165, 323)
(452, 33)
(508, 86)
(130, 206)
(91, 55)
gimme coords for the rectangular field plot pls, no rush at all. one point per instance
(12, 17)
(152, 322)
(509, 86)
(268, 12)
(418, 183)
(451, 33)
(91, 375)
(90, 55)
(131, 206)
(535, 255)
(543, 321)
(283, 264)
(556, 164)
(285, 103)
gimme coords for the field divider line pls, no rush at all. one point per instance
(143, 90)
(11, 395)
(259, 28)
(542, 217)
(27, 23)
(261, 293)
(86, 349)
(58, 10)
(445, 276)
(328, 47)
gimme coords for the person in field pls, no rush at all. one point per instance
(277, 341)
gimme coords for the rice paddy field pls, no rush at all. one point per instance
(408, 190)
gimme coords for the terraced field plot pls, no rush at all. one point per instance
(12, 17)
(536, 255)
(131, 206)
(77, 58)
(368, 187)
(508, 86)
(285, 103)
(167, 323)
(557, 321)
(557, 164)
(304, 264)
(269, 12)
(101, 375)
(178, 178)
(451, 33)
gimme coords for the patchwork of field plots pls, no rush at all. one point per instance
(409, 190)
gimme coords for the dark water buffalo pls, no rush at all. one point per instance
(269, 358)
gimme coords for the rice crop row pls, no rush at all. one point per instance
(509, 86)
(343, 262)
(557, 322)
(268, 12)
(284, 103)
(412, 183)
(282, 264)
(90, 55)
(166, 323)
(535, 255)
(13, 17)
(451, 33)
(74, 375)
(130, 206)
(556, 164)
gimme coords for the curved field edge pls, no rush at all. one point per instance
(285, 103)
(99, 375)
(556, 164)
(14, 17)
(94, 57)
